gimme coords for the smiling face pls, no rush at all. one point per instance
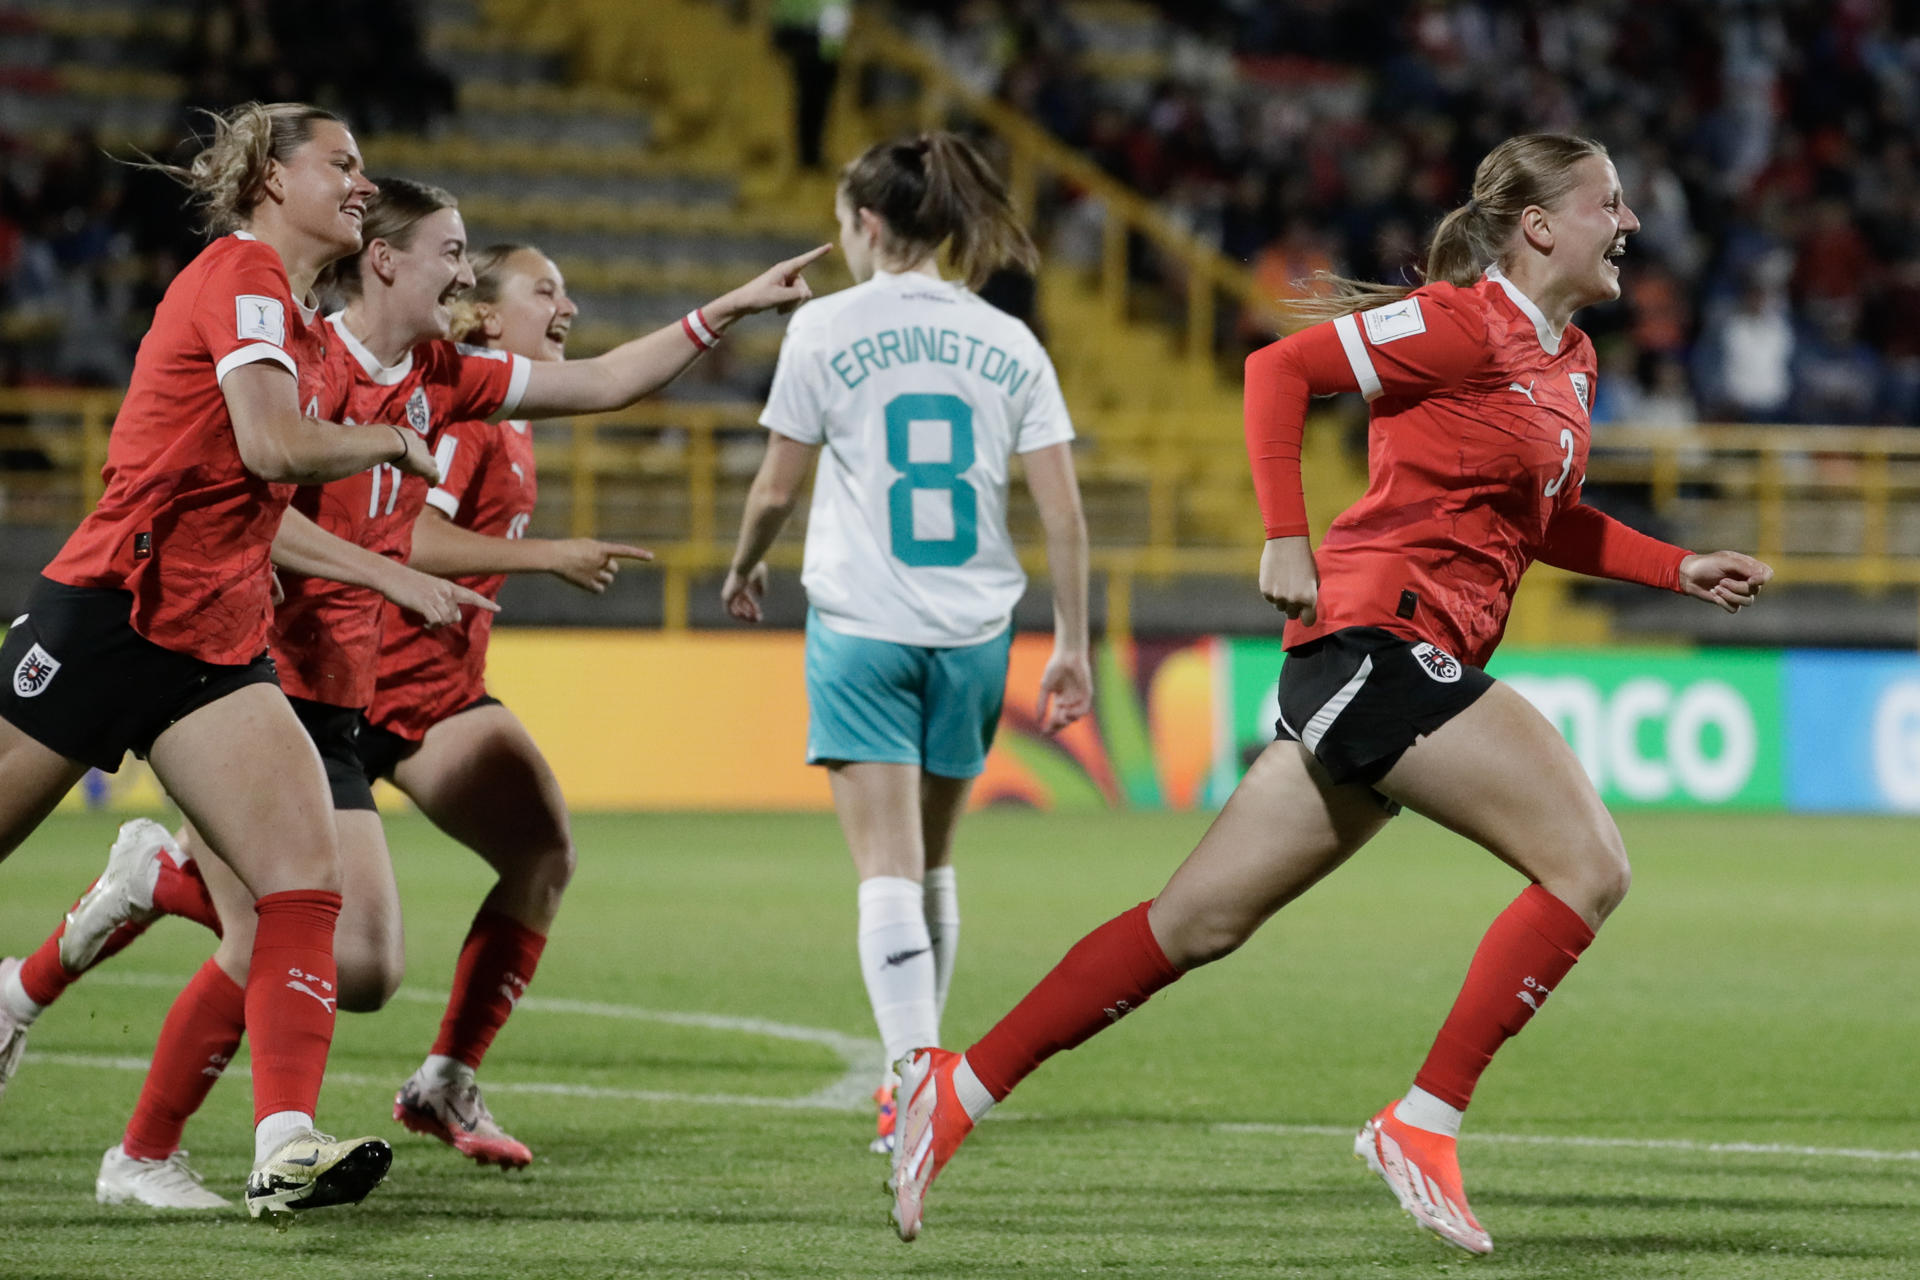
(424, 276)
(532, 314)
(322, 187)
(1590, 226)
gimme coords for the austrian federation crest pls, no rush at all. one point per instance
(1582, 390)
(35, 672)
(1437, 663)
(418, 416)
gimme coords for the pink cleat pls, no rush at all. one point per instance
(1422, 1170)
(930, 1130)
(454, 1112)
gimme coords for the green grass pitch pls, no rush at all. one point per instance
(1724, 1087)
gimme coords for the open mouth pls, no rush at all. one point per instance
(1617, 252)
(557, 332)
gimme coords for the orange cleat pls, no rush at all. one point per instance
(1422, 1169)
(931, 1130)
(882, 1143)
(454, 1112)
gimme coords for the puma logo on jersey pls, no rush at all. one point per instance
(1526, 391)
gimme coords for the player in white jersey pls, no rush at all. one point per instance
(920, 394)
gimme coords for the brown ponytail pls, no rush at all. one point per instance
(228, 177)
(394, 213)
(937, 188)
(1532, 169)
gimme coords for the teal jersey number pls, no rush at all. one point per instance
(902, 413)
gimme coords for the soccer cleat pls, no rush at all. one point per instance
(157, 1184)
(882, 1143)
(454, 1112)
(1422, 1169)
(312, 1171)
(13, 1035)
(122, 895)
(931, 1130)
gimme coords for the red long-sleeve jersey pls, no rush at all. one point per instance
(1477, 449)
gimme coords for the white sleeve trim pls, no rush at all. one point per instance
(1357, 358)
(443, 502)
(252, 353)
(516, 387)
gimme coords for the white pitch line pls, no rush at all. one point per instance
(1578, 1140)
(852, 1091)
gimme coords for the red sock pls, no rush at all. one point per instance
(180, 891)
(41, 976)
(1530, 947)
(291, 998)
(496, 964)
(1107, 975)
(198, 1039)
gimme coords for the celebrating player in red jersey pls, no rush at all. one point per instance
(391, 354)
(148, 631)
(461, 756)
(1479, 390)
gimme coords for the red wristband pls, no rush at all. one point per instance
(698, 331)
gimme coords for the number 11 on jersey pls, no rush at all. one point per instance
(924, 411)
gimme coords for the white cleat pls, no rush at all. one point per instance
(13, 1035)
(313, 1171)
(157, 1184)
(122, 895)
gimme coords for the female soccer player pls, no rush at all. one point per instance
(922, 394)
(1479, 389)
(148, 632)
(392, 356)
(456, 752)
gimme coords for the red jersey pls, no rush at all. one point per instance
(487, 486)
(1477, 450)
(183, 525)
(326, 634)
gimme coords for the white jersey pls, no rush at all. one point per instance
(921, 393)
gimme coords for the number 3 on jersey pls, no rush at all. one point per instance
(916, 420)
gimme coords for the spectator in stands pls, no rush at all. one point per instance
(810, 34)
(1744, 358)
(1837, 378)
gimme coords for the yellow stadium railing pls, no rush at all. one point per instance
(1822, 504)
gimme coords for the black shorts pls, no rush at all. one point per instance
(81, 681)
(1357, 698)
(336, 732)
(382, 750)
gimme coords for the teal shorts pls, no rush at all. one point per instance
(874, 701)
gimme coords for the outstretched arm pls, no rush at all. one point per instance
(770, 502)
(639, 368)
(442, 547)
(303, 547)
(1584, 539)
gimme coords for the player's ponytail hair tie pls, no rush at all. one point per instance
(1472, 206)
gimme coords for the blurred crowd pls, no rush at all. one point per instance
(89, 244)
(1769, 149)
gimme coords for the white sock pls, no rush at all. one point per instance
(15, 1000)
(441, 1069)
(896, 960)
(943, 926)
(276, 1129)
(972, 1094)
(1424, 1111)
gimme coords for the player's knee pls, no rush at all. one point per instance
(368, 976)
(1202, 938)
(1601, 874)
